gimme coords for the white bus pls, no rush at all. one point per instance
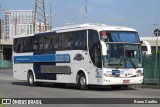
(87, 54)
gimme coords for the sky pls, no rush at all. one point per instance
(143, 15)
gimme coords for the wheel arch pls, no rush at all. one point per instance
(31, 71)
(79, 72)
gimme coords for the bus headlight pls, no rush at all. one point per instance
(107, 75)
(139, 73)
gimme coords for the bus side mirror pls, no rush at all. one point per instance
(141, 42)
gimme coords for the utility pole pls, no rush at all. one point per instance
(157, 34)
(86, 10)
(50, 14)
(39, 16)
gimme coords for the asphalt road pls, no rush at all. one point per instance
(11, 88)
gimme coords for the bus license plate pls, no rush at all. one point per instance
(126, 81)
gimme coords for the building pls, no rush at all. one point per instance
(1, 28)
(18, 22)
(5, 45)
(152, 42)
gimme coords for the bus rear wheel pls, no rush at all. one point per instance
(30, 79)
(82, 82)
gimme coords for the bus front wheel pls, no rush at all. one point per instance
(82, 82)
(30, 79)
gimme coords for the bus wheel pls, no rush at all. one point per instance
(82, 82)
(30, 79)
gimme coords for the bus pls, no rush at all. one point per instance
(85, 54)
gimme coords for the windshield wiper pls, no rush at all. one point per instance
(126, 58)
(120, 63)
(132, 62)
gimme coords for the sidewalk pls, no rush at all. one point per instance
(6, 74)
(7, 71)
(145, 86)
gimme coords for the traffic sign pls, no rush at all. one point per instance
(157, 32)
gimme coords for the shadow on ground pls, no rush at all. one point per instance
(73, 86)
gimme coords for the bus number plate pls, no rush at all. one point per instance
(126, 81)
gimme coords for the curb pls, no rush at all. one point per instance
(151, 86)
(146, 86)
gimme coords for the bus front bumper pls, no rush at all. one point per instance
(122, 81)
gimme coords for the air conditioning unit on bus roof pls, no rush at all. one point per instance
(91, 24)
(64, 28)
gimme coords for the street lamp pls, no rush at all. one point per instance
(157, 34)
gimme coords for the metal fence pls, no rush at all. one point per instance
(5, 64)
(152, 69)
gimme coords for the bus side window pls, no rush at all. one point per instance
(79, 40)
(25, 44)
(75, 41)
(47, 42)
(30, 43)
(84, 40)
(51, 46)
(53, 42)
(41, 43)
(21, 45)
(64, 41)
(70, 41)
(16, 45)
(35, 44)
(58, 42)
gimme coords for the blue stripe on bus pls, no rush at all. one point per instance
(42, 58)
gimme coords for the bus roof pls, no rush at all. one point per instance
(94, 26)
(98, 27)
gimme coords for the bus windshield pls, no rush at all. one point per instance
(120, 36)
(123, 50)
(122, 56)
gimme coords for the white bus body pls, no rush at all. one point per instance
(87, 54)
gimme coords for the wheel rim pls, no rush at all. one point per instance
(82, 81)
(31, 79)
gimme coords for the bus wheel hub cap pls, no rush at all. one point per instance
(82, 81)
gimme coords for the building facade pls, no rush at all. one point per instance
(1, 28)
(18, 22)
(153, 42)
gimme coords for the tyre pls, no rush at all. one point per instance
(82, 82)
(30, 79)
